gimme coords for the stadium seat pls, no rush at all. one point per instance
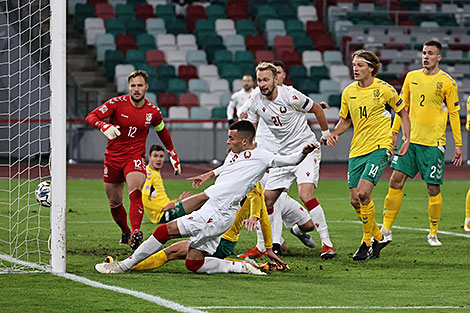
(115, 26)
(104, 42)
(116, 2)
(166, 42)
(193, 13)
(219, 86)
(144, 11)
(307, 13)
(112, 58)
(295, 27)
(297, 71)
(158, 86)
(187, 72)
(93, 26)
(149, 69)
(210, 100)
(225, 99)
(175, 57)
(208, 72)
(339, 72)
(123, 70)
(164, 112)
(214, 12)
(125, 11)
(177, 86)
(135, 56)
(155, 58)
(155, 26)
(200, 113)
(237, 12)
(237, 84)
(178, 113)
(83, 11)
(186, 42)
(244, 58)
(165, 11)
(222, 57)
(230, 72)
(225, 27)
(319, 72)
(312, 58)
(167, 100)
(255, 43)
(146, 42)
(329, 86)
(332, 58)
(332, 114)
(307, 86)
(234, 42)
(303, 43)
(264, 56)
(175, 26)
(71, 5)
(245, 27)
(188, 100)
(291, 58)
(125, 42)
(219, 113)
(281, 42)
(198, 86)
(196, 57)
(166, 71)
(286, 12)
(152, 97)
(104, 10)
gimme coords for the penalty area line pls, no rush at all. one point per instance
(138, 294)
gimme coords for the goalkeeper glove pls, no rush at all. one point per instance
(175, 162)
(109, 130)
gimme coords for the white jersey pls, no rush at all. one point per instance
(285, 117)
(236, 102)
(242, 171)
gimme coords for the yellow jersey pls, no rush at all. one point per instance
(254, 206)
(154, 196)
(369, 109)
(468, 113)
(429, 100)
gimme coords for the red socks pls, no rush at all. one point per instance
(136, 211)
(161, 233)
(194, 265)
(120, 217)
(312, 204)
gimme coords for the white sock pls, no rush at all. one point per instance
(386, 232)
(467, 220)
(146, 249)
(296, 230)
(260, 239)
(214, 265)
(318, 218)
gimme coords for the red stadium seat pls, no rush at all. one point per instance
(323, 42)
(279, 52)
(95, 2)
(283, 41)
(144, 11)
(188, 100)
(314, 27)
(104, 10)
(187, 72)
(155, 58)
(264, 56)
(193, 13)
(292, 58)
(255, 43)
(238, 11)
(125, 42)
(167, 100)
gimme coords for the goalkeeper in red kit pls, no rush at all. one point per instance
(125, 121)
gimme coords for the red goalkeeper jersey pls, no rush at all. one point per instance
(134, 124)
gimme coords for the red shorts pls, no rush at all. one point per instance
(116, 169)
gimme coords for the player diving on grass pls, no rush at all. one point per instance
(244, 166)
(367, 104)
(125, 121)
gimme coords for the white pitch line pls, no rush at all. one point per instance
(330, 307)
(141, 295)
(411, 228)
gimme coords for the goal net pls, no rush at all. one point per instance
(25, 133)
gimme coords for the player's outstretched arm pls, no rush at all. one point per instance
(165, 137)
(95, 119)
(340, 128)
(406, 127)
(201, 179)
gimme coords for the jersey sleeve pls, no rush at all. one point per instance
(231, 107)
(101, 113)
(452, 97)
(253, 115)
(468, 113)
(405, 96)
(299, 101)
(344, 110)
(394, 100)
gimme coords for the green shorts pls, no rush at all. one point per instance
(224, 249)
(173, 214)
(428, 161)
(369, 167)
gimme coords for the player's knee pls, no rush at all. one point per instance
(309, 226)
(397, 180)
(194, 265)
(363, 196)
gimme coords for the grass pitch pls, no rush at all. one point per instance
(410, 276)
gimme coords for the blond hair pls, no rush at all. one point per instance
(266, 66)
(371, 59)
(137, 73)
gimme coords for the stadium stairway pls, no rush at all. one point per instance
(81, 60)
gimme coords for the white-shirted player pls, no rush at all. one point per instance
(283, 109)
(244, 166)
(238, 98)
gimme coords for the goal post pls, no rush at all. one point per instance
(58, 134)
(32, 134)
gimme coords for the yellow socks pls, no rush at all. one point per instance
(392, 206)
(154, 261)
(435, 210)
(467, 205)
(369, 225)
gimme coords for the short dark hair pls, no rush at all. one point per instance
(156, 148)
(249, 75)
(279, 63)
(136, 73)
(434, 43)
(244, 128)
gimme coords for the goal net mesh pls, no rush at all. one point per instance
(24, 131)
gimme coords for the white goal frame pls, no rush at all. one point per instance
(58, 141)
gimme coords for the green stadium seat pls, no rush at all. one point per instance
(166, 71)
(334, 100)
(175, 26)
(319, 72)
(307, 86)
(125, 11)
(222, 57)
(230, 72)
(145, 42)
(244, 58)
(214, 12)
(165, 11)
(149, 69)
(111, 59)
(304, 43)
(297, 71)
(177, 86)
(135, 26)
(115, 26)
(286, 12)
(135, 56)
(219, 113)
(82, 11)
(245, 27)
(157, 85)
(295, 28)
